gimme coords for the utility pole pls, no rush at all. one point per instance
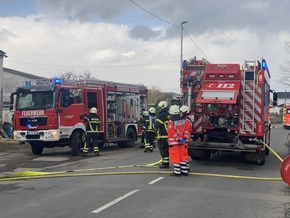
(2, 55)
(181, 44)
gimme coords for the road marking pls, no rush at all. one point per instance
(115, 201)
(52, 159)
(155, 180)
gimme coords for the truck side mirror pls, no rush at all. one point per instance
(12, 101)
(275, 99)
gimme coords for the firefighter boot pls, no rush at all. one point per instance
(164, 165)
(151, 148)
(96, 151)
(85, 154)
(175, 174)
(147, 147)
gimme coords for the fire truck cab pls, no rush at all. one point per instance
(230, 107)
(49, 113)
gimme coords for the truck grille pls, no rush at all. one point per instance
(35, 121)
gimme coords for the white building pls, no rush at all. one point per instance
(283, 99)
(11, 80)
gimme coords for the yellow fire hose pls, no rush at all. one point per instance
(72, 173)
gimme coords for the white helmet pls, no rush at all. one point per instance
(184, 109)
(93, 110)
(163, 104)
(152, 110)
(145, 113)
(174, 110)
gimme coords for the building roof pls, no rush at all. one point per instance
(19, 73)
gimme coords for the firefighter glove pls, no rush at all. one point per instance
(182, 141)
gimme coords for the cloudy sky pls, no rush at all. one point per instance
(138, 41)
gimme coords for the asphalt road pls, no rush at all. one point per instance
(122, 183)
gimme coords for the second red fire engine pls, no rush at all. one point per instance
(230, 107)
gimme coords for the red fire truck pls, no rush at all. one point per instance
(229, 106)
(49, 112)
(286, 117)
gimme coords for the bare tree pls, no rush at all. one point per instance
(285, 68)
(71, 75)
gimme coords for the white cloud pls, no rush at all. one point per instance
(103, 44)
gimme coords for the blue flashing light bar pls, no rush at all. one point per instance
(264, 64)
(27, 83)
(189, 78)
(57, 81)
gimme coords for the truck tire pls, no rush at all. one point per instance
(75, 143)
(36, 148)
(131, 136)
(101, 145)
(201, 155)
(262, 158)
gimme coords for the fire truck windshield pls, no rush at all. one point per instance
(34, 100)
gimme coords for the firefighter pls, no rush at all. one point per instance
(150, 132)
(145, 116)
(176, 142)
(92, 132)
(161, 128)
(184, 114)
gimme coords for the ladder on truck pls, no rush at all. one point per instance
(248, 106)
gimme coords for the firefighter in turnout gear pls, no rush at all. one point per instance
(145, 116)
(150, 132)
(184, 114)
(162, 135)
(92, 132)
(177, 142)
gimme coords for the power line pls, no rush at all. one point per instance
(171, 25)
(154, 15)
(197, 46)
(100, 66)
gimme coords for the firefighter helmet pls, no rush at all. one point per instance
(174, 110)
(163, 104)
(145, 113)
(93, 110)
(152, 110)
(184, 109)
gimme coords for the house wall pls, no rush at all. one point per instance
(12, 79)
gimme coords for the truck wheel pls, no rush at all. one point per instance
(267, 150)
(36, 148)
(75, 143)
(262, 158)
(131, 136)
(207, 155)
(101, 145)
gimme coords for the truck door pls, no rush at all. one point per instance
(71, 107)
(95, 98)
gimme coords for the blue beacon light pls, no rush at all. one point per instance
(57, 81)
(264, 64)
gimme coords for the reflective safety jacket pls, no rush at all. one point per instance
(161, 125)
(188, 128)
(176, 131)
(149, 123)
(93, 121)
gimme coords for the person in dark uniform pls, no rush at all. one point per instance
(150, 132)
(92, 132)
(162, 135)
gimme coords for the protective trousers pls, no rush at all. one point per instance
(149, 140)
(164, 152)
(177, 155)
(91, 137)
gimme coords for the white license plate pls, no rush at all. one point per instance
(32, 133)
